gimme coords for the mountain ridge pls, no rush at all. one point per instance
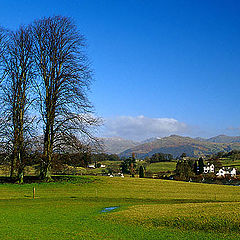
(176, 145)
(173, 144)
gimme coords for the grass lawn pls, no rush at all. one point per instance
(148, 209)
(161, 167)
(230, 162)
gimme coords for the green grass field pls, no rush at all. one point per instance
(147, 209)
(230, 162)
(161, 167)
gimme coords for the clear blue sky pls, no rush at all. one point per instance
(177, 59)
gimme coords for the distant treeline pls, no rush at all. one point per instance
(156, 157)
(99, 157)
(231, 154)
(160, 157)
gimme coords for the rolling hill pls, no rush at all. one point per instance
(176, 145)
(224, 139)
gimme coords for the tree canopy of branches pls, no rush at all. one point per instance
(1, 44)
(18, 73)
(48, 57)
(64, 77)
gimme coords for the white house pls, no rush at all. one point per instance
(209, 168)
(94, 166)
(227, 171)
(91, 165)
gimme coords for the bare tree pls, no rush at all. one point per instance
(3, 41)
(15, 100)
(2, 35)
(64, 79)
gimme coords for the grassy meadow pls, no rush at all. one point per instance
(230, 162)
(161, 166)
(147, 209)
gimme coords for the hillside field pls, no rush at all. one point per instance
(147, 209)
(162, 166)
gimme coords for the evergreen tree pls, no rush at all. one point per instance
(201, 165)
(125, 166)
(195, 167)
(141, 172)
(133, 164)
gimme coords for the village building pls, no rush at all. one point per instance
(227, 171)
(94, 166)
(209, 168)
(91, 165)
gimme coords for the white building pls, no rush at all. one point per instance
(94, 166)
(227, 171)
(209, 168)
(91, 165)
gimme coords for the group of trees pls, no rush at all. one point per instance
(128, 165)
(160, 157)
(45, 77)
(99, 157)
(187, 168)
(184, 169)
(233, 155)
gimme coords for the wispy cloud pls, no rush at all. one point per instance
(233, 129)
(141, 127)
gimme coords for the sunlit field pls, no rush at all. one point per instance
(161, 166)
(147, 209)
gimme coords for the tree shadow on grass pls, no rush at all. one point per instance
(150, 201)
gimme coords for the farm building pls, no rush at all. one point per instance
(91, 165)
(209, 168)
(94, 166)
(227, 171)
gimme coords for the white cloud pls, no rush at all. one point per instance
(141, 127)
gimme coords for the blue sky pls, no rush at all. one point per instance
(170, 64)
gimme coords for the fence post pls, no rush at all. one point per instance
(33, 192)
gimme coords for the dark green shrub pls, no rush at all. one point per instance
(141, 172)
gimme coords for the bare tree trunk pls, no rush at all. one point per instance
(65, 77)
(14, 166)
(18, 73)
(47, 155)
(13, 171)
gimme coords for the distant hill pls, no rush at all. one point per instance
(176, 145)
(117, 145)
(200, 139)
(224, 139)
(150, 140)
